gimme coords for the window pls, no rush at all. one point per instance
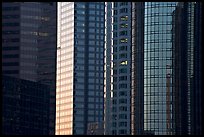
(121, 86)
(115, 72)
(122, 108)
(115, 4)
(115, 56)
(115, 19)
(122, 78)
(115, 12)
(10, 24)
(123, 48)
(122, 116)
(123, 25)
(122, 101)
(122, 93)
(114, 124)
(123, 70)
(115, 34)
(115, 42)
(122, 131)
(114, 100)
(123, 55)
(10, 32)
(123, 10)
(10, 16)
(122, 124)
(124, 40)
(123, 33)
(115, 27)
(123, 62)
(114, 49)
(124, 18)
(123, 3)
(10, 8)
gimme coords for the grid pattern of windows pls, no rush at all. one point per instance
(118, 55)
(80, 66)
(65, 65)
(158, 67)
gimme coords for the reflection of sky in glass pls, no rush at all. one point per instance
(157, 55)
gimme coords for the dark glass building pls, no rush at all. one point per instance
(158, 68)
(187, 68)
(25, 107)
(29, 45)
(166, 68)
(137, 90)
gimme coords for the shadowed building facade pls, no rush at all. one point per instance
(29, 45)
(25, 107)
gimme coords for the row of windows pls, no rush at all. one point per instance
(10, 64)
(122, 18)
(10, 16)
(122, 131)
(10, 8)
(121, 94)
(123, 10)
(10, 40)
(10, 24)
(121, 33)
(121, 108)
(11, 56)
(10, 71)
(121, 116)
(121, 101)
(10, 48)
(10, 32)
(121, 48)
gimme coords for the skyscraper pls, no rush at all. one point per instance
(117, 68)
(80, 52)
(187, 68)
(137, 68)
(158, 67)
(167, 40)
(25, 107)
(29, 45)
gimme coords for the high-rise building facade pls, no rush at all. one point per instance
(158, 67)
(137, 70)
(29, 45)
(117, 68)
(187, 68)
(166, 58)
(25, 107)
(80, 59)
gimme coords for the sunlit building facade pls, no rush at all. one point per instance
(80, 59)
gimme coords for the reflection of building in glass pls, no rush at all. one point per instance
(171, 54)
(158, 67)
(80, 59)
(117, 68)
(25, 107)
(29, 45)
